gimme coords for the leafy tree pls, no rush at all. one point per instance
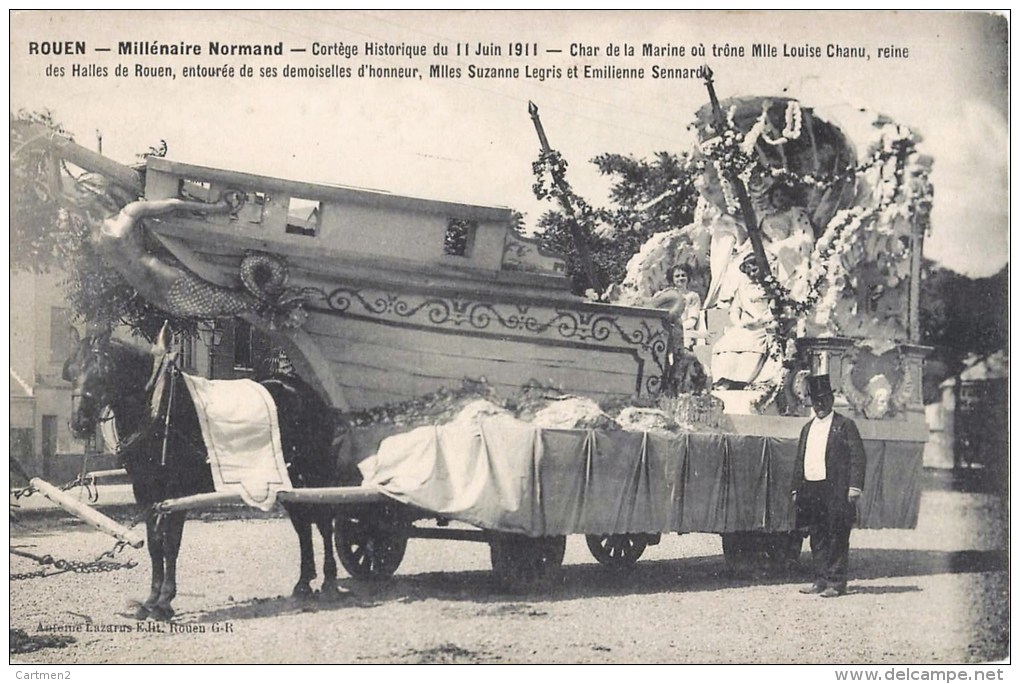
(650, 196)
(657, 192)
(54, 210)
(37, 240)
(960, 316)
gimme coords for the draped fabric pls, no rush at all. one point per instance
(892, 485)
(242, 437)
(519, 478)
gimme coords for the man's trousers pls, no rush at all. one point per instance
(828, 519)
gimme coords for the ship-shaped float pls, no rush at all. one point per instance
(393, 297)
(378, 298)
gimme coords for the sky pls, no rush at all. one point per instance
(470, 139)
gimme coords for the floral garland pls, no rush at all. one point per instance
(845, 223)
(550, 166)
(896, 145)
(901, 196)
(791, 129)
(550, 183)
(900, 190)
(729, 160)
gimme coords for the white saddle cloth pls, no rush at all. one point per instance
(242, 435)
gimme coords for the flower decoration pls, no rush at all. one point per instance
(876, 234)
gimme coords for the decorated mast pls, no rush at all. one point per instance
(746, 208)
(556, 169)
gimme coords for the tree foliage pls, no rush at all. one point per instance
(55, 208)
(960, 317)
(38, 240)
(650, 196)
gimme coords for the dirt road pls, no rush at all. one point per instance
(937, 594)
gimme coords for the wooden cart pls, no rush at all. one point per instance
(621, 490)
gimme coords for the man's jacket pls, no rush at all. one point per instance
(845, 462)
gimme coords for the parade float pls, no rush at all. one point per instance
(813, 258)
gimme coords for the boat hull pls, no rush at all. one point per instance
(386, 345)
(377, 321)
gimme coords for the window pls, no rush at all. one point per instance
(187, 357)
(303, 217)
(254, 208)
(198, 191)
(459, 234)
(60, 334)
(244, 358)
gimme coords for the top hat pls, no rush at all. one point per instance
(819, 386)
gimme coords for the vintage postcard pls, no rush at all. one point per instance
(561, 337)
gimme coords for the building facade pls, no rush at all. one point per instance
(41, 340)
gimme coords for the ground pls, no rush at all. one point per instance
(937, 594)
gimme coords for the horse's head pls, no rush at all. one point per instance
(89, 370)
(105, 372)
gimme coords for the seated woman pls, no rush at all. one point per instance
(684, 305)
(741, 355)
(684, 314)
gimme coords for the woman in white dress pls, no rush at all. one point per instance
(741, 356)
(684, 313)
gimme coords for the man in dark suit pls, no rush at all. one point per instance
(827, 482)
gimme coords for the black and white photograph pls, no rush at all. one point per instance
(510, 337)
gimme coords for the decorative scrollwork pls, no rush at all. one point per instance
(399, 307)
(888, 391)
(856, 398)
(903, 392)
(480, 316)
(566, 325)
(795, 386)
(265, 276)
(581, 326)
(602, 328)
(339, 300)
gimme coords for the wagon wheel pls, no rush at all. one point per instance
(520, 562)
(782, 549)
(370, 547)
(761, 550)
(738, 549)
(617, 551)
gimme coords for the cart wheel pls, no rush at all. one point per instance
(782, 549)
(738, 549)
(617, 550)
(761, 550)
(369, 549)
(520, 562)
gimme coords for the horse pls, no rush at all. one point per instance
(165, 456)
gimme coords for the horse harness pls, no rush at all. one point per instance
(159, 417)
(158, 420)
